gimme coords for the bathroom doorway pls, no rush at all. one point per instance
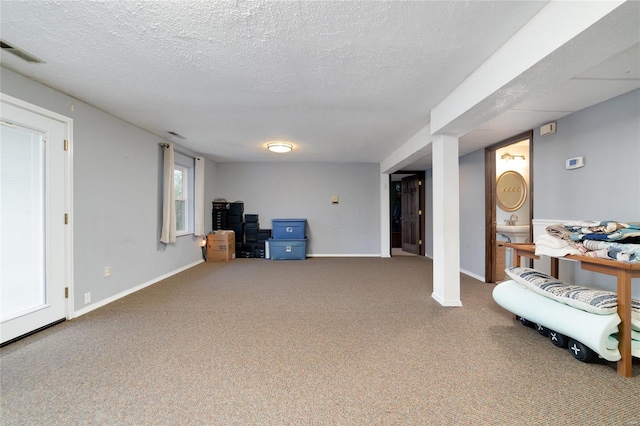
(508, 200)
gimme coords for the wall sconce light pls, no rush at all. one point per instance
(279, 147)
(507, 156)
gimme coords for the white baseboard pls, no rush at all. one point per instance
(447, 303)
(345, 255)
(472, 275)
(113, 298)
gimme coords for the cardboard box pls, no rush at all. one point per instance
(221, 246)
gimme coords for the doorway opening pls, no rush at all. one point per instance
(508, 201)
(407, 204)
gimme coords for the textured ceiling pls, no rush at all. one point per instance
(344, 81)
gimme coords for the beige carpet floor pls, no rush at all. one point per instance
(335, 341)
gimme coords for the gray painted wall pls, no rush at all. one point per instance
(116, 194)
(428, 218)
(608, 186)
(304, 190)
(472, 220)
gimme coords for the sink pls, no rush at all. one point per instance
(515, 233)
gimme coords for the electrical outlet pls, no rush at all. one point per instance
(87, 298)
(107, 272)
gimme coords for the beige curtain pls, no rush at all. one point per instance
(199, 197)
(168, 234)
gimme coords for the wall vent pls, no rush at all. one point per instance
(176, 135)
(6, 47)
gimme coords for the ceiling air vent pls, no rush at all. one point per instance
(6, 47)
(176, 135)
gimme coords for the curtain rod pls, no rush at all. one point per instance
(166, 145)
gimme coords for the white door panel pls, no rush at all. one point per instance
(32, 229)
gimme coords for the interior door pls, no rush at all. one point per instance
(32, 221)
(411, 215)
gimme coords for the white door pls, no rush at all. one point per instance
(32, 221)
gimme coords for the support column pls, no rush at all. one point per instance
(446, 221)
(385, 217)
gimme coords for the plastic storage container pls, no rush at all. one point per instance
(288, 229)
(286, 249)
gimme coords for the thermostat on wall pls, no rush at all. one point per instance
(574, 163)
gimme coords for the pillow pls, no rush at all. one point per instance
(599, 302)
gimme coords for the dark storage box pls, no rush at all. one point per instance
(234, 218)
(253, 218)
(289, 229)
(236, 208)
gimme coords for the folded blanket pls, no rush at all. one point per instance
(561, 232)
(605, 240)
(629, 253)
(588, 227)
(607, 230)
(546, 245)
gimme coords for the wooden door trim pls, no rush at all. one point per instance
(422, 203)
(490, 197)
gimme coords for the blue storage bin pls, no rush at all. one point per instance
(286, 249)
(288, 229)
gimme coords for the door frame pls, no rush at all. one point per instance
(68, 195)
(421, 174)
(490, 198)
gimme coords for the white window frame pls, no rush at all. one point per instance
(183, 228)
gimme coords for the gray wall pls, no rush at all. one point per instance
(116, 198)
(304, 190)
(472, 214)
(428, 217)
(608, 186)
(209, 193)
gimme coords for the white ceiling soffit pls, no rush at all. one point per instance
(343, 81)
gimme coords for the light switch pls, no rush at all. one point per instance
(334, 199)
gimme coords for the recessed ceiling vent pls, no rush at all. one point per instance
(6, 47)
(176, 135)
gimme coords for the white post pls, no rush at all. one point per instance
(446, 221)
(385, 217)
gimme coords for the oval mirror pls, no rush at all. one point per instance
(511, 191)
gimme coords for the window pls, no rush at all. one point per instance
(183, 191)
(181, 195)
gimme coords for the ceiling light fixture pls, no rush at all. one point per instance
(507, 156)
(279, 147)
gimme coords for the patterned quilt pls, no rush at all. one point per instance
(605, 239)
